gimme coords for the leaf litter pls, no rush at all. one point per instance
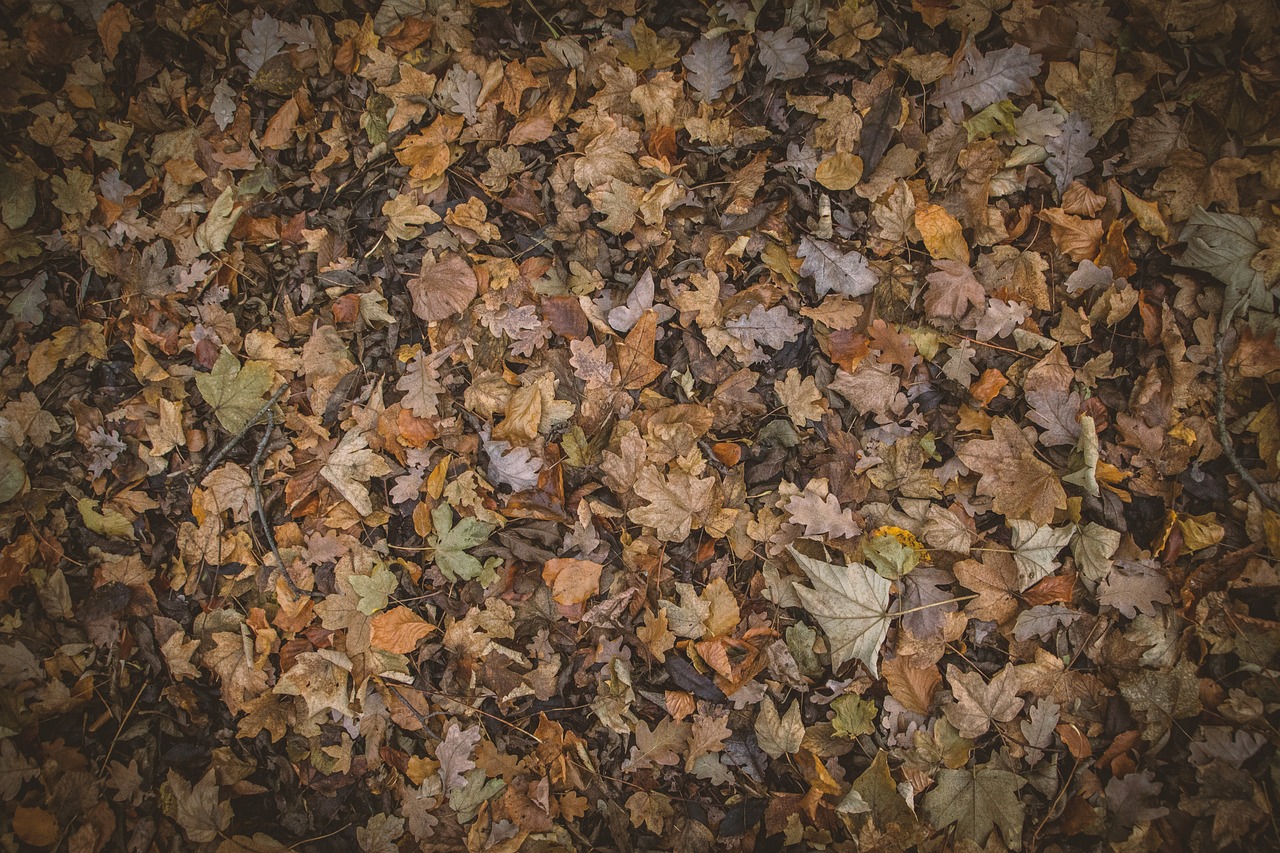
(554, 426)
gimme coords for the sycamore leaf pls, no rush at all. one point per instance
(321, 678)
(1035, 549)
(978, 801)
(452, 541)
(1225, 245)
(673, 502)
(1021, 486)
(1092, 546)
(201, 811)
(953, 290)
(350, 467)
(235, 393)
(851, 604)
(979, 703)
(373, 590)
(779, 736)
(835, 270)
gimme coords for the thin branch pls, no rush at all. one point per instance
(231, 442)
(1224, 437)
(256, 474)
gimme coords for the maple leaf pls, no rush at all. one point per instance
(1035, 549)
(199, 809)
(660, 746)
(321, 678)
(981, 80)
(350, 467)
(398, 630)
(978, 801)
(709, 67)
(235, 392)
(1225, 245)
(1020, 484)
(953, 289)
(451, 542)
(851, 604)
(673, 502)
(834, 270)
(979, 703)
(801, 397)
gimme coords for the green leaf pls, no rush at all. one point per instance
(1224, 245)
(891, 557)
(374, 590)
(13, 474)
(854, 716)
(978, 801)
(451, 541)
(851, 604)
(235, 393)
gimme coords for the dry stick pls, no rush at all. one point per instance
(1224, 437)
(262, 507)
(235, 439)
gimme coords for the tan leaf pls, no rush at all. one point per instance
(979, 703)
(635, 353)
(350, 467)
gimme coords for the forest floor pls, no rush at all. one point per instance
(539, 425)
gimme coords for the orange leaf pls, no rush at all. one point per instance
(572, 581)
(398, 630)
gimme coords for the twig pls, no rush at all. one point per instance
(1224, 437)
(231, 442)
(262, 506)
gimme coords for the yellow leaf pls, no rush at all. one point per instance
(840, 171)
(108, 523)
(942, 234)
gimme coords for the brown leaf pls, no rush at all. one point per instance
(1020, 485)
(443, 287)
